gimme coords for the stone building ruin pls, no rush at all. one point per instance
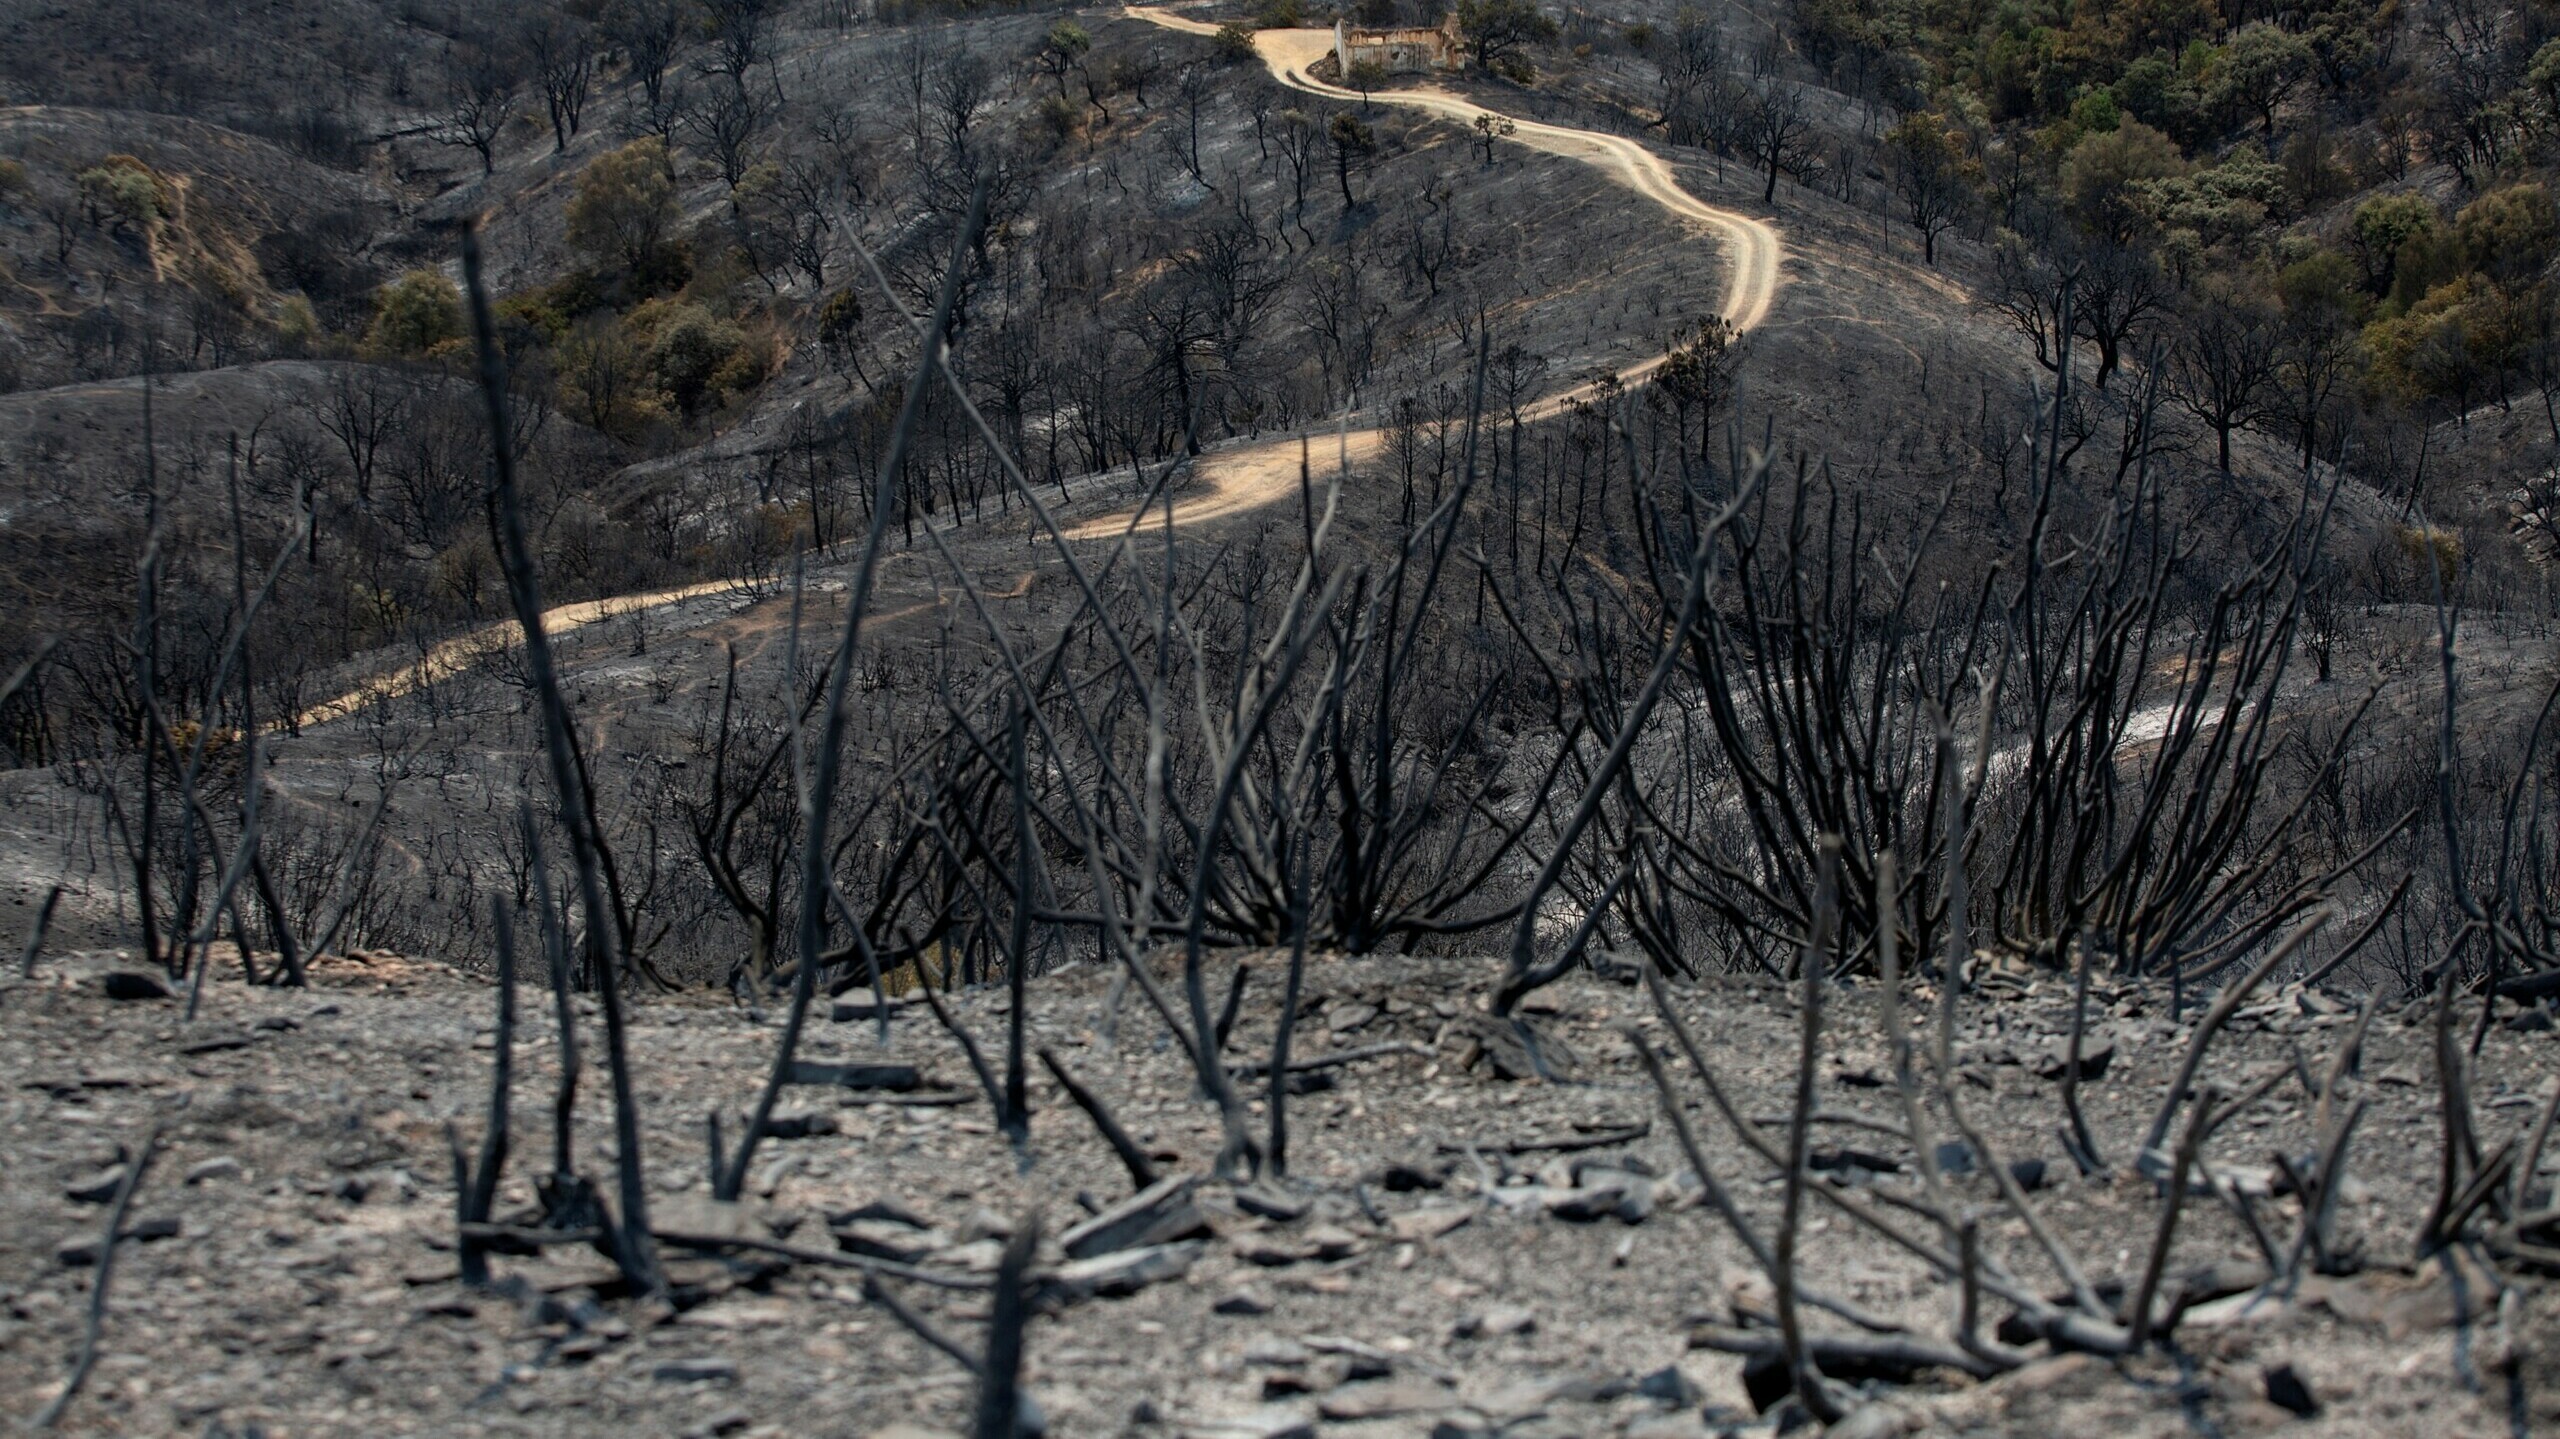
(1411, 51)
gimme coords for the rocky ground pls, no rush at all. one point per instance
(1455, 1253)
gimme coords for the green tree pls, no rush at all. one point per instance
(840, 335)
(414, 316)
(1497, 30)
(2153, 91)
(1930, 173)
(2103, 175)
(120, 191)
(2383, 226)
(623, 211)
(1353, 144)
(1062, 52)
(2510, 234)
(2459, 343)
(1366, 76)
(695, 356)
(1697, 378)
(2323, 304)
(2257, 72)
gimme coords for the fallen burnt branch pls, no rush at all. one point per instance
(35, 936)
(1142, 1170)
(1000, 1399)
(475, 1186)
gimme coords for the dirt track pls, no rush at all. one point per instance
(1248, 477)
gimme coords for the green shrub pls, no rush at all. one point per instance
(121, 191)
(417, 315)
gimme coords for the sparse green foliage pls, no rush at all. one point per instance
(1366, 76)
(1697, 379)
(623, 212)
(840, 335)
(1353, 144)
(1062, 52)
(1932, 174)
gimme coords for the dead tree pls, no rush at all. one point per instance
(634, 1248)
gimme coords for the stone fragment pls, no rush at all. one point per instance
(894, 1077)
(97, 1188)
(1123, 1271)
(1384, 1399)
(1496, 1321)
(887, 1239)
(2096, 1052)
(132, 984)
(1275, 1350)
(1332, 1241)
(801, 1125)
(700, 1219)
(1403, 1178)
(978, 1256)
(695, 1371)
(1271, 1251)
(1158, 1214)
(1429, 1222)
(82, 1253)
(215, 1043)
(1267, 1201)
(1875, 1421)
(214, 1170)
(1271, 1421)
(2289, 1391)
(1852, 1163)
(1668, 1385)
(1356, 1360)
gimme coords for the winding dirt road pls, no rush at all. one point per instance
(1233, 481)
(1247, 477)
